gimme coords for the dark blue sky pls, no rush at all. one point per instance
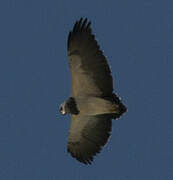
(137, 39)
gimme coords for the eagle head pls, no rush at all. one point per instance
(69, 106)
(63, 108)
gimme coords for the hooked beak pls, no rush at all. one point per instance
(62, 110)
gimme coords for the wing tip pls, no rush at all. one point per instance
(81, 25)
(78, 155)
(80, 158)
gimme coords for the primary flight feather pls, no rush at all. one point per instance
(92, 104)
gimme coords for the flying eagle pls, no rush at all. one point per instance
(92, 104)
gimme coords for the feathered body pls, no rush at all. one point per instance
(92, 104)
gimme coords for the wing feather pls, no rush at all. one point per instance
(90, 71)
(87, 136)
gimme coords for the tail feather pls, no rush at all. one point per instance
(122, 107)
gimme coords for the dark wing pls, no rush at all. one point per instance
(90, 72)
(87, 136)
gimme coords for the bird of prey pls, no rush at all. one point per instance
(92, 104)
